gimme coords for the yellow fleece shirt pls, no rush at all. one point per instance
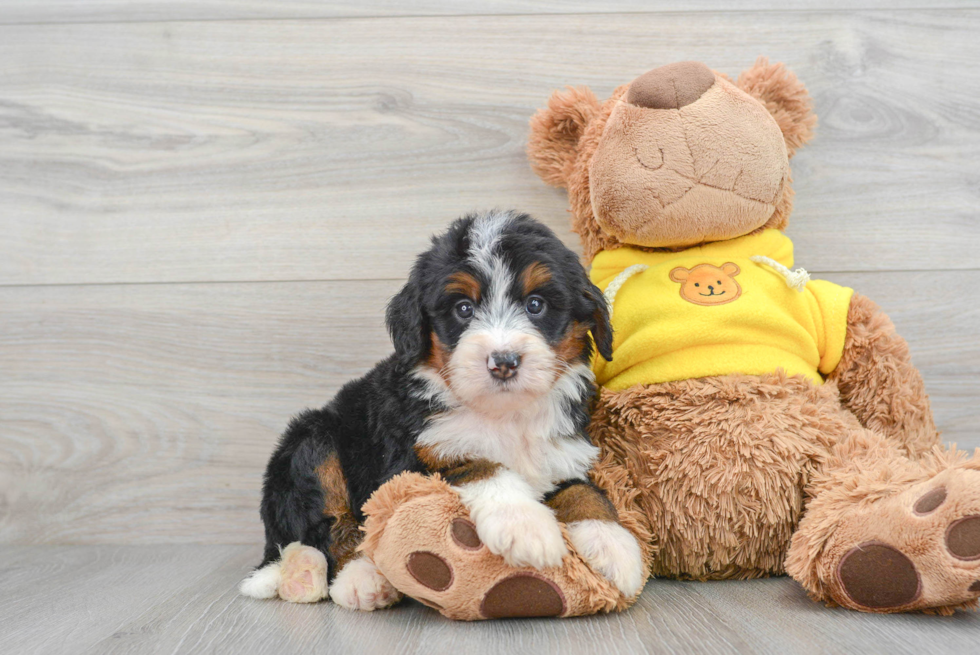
(710, 310)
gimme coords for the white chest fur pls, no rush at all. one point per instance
(538, 442)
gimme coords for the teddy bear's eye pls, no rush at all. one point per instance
(719, 281)
(697, 284)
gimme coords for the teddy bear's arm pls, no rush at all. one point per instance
(878, 382)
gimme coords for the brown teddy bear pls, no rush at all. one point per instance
(752, 421)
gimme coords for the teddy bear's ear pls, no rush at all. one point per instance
(556, 130)
(730, 269)
(782, 93)
(679, 274)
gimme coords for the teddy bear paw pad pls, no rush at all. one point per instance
(879, 576)
(963, 538)
(523, 595)
(464, 534)
(918, 549)
(430, 570)
(930, 501)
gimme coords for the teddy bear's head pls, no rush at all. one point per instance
(680, 156)
(708, 285)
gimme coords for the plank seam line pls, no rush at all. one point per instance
(308, 19)
(26, 285)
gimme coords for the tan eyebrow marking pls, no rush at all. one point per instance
(465, 284)
(534, 276)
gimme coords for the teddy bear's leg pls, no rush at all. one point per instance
(883, 533)
(421, 537)
(878, 382)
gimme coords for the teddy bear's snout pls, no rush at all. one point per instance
(672, 86)
(714, 169)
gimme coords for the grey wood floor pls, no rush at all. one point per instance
(181, 599)
(204, 206)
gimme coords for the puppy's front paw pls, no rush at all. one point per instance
(361, 586)
(611, 550)
(303, 574)
(524, 534)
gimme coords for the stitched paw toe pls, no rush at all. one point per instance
(878, 576)
(523, 595)
(930, 501)
(465, 536)
(430, 570)
(963, 538)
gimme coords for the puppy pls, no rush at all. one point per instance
(489, 385)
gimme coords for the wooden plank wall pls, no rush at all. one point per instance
(205, 206)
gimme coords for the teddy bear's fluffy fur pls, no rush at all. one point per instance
(845, 486)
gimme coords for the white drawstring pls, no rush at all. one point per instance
(794, 279)
(613, 288)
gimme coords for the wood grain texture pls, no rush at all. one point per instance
(331, 149)
(182, 599)
(74, 11)
(145, 413)
(206, 205)
(67, 599)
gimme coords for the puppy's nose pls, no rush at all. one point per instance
(503, 365)
(672, 86)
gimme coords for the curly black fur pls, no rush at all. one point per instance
(373, 422)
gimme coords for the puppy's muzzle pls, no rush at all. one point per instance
(503, 366)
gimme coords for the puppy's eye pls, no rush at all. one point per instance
(535, 305)
(464, 309)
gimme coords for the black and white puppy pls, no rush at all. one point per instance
(489, 385)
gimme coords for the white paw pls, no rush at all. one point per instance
(524, 534)
(361, 586)
(261, 583)
(303, 574)
(610, 549)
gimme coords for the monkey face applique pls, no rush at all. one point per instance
(708, 285)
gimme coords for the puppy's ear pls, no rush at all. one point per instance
(555, 132)
(599, 324)
(407, 322)
(784, 95)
